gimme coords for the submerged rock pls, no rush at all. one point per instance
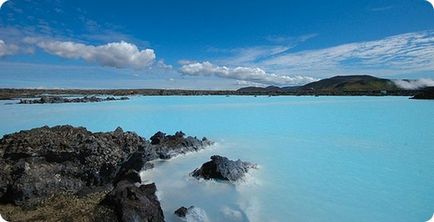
(221, 168)
(60, 99)
(43, 162)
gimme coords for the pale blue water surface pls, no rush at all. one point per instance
(320, 158)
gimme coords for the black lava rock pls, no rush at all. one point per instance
(167, 146)
(221, 168)
(132, 203)
(46, 161)
(181, 212)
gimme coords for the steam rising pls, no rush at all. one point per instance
(414, 84)
(196, 215)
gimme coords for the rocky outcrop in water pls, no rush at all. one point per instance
(167, 146)
(427, 93)
(60, 99)
(43, 162)
(182, 211)
(221, 168)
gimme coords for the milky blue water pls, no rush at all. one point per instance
(320, 158)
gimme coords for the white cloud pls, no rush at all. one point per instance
(291, 40)
(248, 83)
(7, 49)
(116, 54)
(431, 2)
(256, 75)
(2, 2)
(400, 54)
(414, 84)
(245, 56)
(161, 64)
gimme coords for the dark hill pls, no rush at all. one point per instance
(253, 89)
(351, 83)
(336, 84)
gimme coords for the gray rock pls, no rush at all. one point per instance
(221, 168)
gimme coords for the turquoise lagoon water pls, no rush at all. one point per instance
(320, 158)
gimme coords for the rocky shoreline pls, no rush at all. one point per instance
(60, 99)
(94, 175)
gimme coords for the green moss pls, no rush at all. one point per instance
(62, 207)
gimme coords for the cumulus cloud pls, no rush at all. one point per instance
(414, 84)
(7, 49)
(161, 64)
(256, 75)
(400, 54)
(2, 2)
(116, 54)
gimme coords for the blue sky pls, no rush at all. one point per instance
(211, 44)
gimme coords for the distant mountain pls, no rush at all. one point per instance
(351, 83)
(354, 83)
(253, 89)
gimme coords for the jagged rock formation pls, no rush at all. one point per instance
(167, 146)
(221, 168)
(43, 162)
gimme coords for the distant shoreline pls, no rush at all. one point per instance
(10, 94)
(357, 85)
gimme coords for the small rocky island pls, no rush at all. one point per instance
(67, 173)
(221, 168)
(427, 93)
(60, 99)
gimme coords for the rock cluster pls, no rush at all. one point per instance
(60, 99)
(221, 168)
(39, 163)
